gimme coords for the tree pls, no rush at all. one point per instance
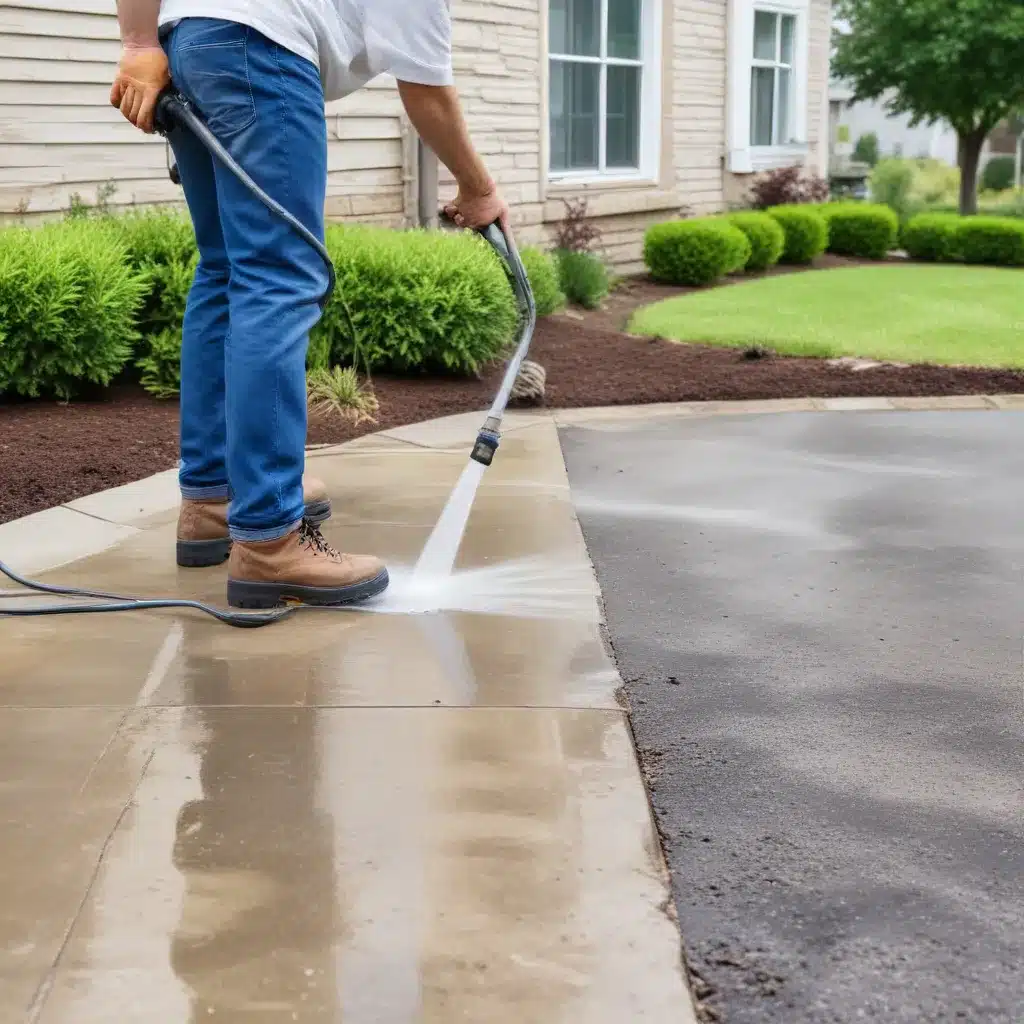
(866, 150)
(961, 61)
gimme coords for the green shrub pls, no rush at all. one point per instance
(995, 240)
(766, 238)
(543, 275)
(695, 252)
(163, 244)
(866, 149)
(416, 300)
(931, 236)
(867, 230)
(892, 183)
(806, 233)
(69, 303)
(160, 363)
(583, 277)
(998, 174)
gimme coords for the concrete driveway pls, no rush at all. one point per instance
(818, 618)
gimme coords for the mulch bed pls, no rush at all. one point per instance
(51, 453)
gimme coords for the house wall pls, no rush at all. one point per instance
(501, 70)
(60, 136)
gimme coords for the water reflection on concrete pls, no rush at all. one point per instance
(351, 817)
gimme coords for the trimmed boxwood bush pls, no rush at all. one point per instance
(694, 252)
(766, 238)
(416, 301)
(998, 174)
(995, 240)
(69, 302)
(543, 275)
(806, 233)
(931, 236)
(583, 277)
(867, 230)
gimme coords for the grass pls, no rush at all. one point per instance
(338, 392)
(908, 314)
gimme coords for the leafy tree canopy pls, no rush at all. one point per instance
(961, 61)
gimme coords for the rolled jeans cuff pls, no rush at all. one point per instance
(256, 536)
(216, 492)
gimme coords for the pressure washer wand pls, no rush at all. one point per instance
(488, 439)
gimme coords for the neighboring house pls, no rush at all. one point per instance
(645, 107)
(896, 136)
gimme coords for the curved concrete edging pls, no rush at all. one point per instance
(90, 525)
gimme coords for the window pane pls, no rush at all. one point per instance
(788, 35)
(575, 27)
(574, 115)
(764, 35)
(624, 29)
(762, 95)
(782, 117)
(622, 145)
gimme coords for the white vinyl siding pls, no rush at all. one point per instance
(59, 136)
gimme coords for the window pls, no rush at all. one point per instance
(603, 76)
(771, 79)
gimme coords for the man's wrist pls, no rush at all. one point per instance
(137, 44)
(477, 184)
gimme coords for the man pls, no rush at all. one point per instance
(259, 72)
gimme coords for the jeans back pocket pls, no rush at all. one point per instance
(210, 66)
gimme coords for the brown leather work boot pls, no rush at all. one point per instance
(203, 538)
(300, 567)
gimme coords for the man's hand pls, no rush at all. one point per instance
(475, 209)
(142, 75)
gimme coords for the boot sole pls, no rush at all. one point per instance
(202, 554)
(246, 594)
(199, 554)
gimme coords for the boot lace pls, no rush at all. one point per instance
(310, 535)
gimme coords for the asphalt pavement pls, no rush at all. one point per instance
(819, 619)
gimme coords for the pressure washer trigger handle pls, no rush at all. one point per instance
(496, 237)
(168, 103)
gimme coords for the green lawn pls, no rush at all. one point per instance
(906, 314)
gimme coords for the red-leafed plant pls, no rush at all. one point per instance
(575, 232)
(787, 186)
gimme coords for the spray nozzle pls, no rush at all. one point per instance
(486, 445)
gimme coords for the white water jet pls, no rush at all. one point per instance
(442, 547)
(528, 588)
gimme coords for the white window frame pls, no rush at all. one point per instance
(742, 156)
(775, 65)
(650, 64)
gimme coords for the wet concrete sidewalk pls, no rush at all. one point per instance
(346, 817)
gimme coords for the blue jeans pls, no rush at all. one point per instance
(254, 297)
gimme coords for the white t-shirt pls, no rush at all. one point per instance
(350, 41)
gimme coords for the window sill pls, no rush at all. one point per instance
(768, 158)
(588, 182)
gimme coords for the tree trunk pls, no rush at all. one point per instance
(970, 145)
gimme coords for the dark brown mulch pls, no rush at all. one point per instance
(50, 454)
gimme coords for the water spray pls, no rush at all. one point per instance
(173, 112)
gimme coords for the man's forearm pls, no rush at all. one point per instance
(138, 20)
(436, 114)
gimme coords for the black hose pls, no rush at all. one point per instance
(173, 110)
